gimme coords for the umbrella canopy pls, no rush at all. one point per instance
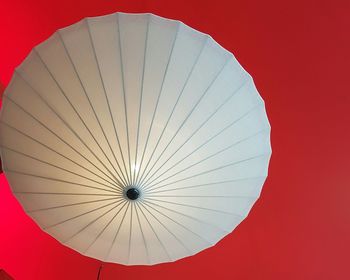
(134, 139)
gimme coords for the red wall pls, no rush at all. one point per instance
(299, 54)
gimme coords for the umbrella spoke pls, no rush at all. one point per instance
(58, 153)
(56, 180)
(133, 181)
(92, 107)
(185, 120)
(197, 207)
(174, 107)
(109, 107)
(117, 232)
(158, 98)
(93, 221)
(142, 233)
(211, 170)
(196, 130)
(174, 221)
(105, 227)
(171, 233)
(47, 128)
(211, 156)
(189, 216)
(206, 142)
(68, 205)
(156, 234)
(58, 167)
(204, 185)
(81, 215)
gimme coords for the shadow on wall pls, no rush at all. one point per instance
(2, 88)
(4, 275)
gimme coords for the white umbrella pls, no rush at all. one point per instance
(134, 139)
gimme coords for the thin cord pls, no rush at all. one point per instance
(99, 272)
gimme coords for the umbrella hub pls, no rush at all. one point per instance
(132, 193)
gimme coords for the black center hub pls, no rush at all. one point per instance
(132, 193)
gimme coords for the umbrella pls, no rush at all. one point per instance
(134, 139)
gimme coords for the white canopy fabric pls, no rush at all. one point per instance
(134, 139)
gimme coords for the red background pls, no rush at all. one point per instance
(299, 54)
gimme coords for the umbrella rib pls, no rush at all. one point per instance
(58, 167)
(196, 207)
(55, 134)
(124, 99)
(42, 124)
(141, 99)
(184, 227)
(158, 98)
(205, 185)
(200, 146)
(68, 205)
(189, 138)
(108, 104)
(105, 227)
(171, 233)
(212, 155)
(186, 119)
(156, 234)
(91, 222)
(174, 108)
(207, 196)
(81, 215)
(52, 179)
(92, 107)
(75, 111)
(211, 170)
(58, 153)
(65, 193)
(117, 232)
(143, 235)
(189, 216)
(130, 231)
